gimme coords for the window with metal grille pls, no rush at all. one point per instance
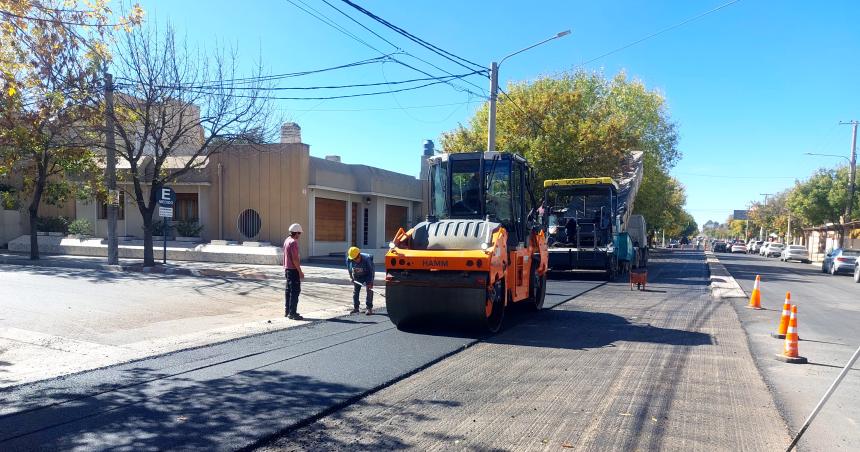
(249, 223)
(365, 226)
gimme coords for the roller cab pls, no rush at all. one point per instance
(479, 250)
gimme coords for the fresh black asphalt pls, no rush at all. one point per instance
(229, 395)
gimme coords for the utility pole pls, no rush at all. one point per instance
(494, 94)
(494, 89)
(852, 171)
(110, 173)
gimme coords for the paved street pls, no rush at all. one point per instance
(829, 315)
(666, 369)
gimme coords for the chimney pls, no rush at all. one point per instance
(429, 150)
(291, 133)
(333, 158)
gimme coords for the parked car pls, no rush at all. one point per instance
(762, 251)
(756, 247)
(750, 244)
(673, 243)
(774, 249)
(840, 261)
(720, 247)
(739, 247)
(795, 253)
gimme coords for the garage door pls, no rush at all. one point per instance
(395, 218)
(330, 220)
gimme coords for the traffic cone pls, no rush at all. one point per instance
(755, 297)
(790, 353)
(783, 321)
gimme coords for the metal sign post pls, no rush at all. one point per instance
(166, 200)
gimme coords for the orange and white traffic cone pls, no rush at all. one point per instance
(790, 353)
(786, 316)
(755, 297)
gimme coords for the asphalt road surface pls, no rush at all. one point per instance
(229, 395)
(829, 328)
(666, 369)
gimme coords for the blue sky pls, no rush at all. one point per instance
(752, 86)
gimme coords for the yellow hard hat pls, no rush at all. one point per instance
(353, 252)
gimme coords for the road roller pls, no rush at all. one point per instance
(481, 248)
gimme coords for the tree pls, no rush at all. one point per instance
(821, 198)
(49, 56)
(579, 125)
(176, 108)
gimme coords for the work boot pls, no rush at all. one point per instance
(354, 311)
(369, 311)
(296, 316)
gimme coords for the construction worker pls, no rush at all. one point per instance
(361, 271)
(293, 272)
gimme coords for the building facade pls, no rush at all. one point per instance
(253, 192)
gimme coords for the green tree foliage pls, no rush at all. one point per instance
(582, 124)
(49, 91)
(821, 198)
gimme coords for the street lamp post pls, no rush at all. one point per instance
(494, 89)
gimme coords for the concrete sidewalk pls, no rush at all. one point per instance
(316, 273)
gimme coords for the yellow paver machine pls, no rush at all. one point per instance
(481, 248)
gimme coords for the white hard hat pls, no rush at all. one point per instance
(295, 227)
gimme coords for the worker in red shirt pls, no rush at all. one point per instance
(293, 272)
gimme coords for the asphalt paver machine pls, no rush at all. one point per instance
(480, 249)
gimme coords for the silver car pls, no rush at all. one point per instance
(774, 249)
(840, 261)
(795, 253)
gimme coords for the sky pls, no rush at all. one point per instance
(752, 86)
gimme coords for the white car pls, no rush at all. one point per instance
(756, 246)
(795, 253)
(773, 249)
(739, 247)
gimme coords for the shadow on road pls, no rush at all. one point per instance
(583, 330)
(180, 412)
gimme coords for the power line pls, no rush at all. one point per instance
(361, 25)
(679, 24)
(439, 51)
(397, 47)
(322, 18)
(265, 78)
(404, 107)
(306, 88)
(344, 96)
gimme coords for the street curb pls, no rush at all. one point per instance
(84, 266)
(723, 284)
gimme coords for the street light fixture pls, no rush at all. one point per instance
(494, 88)
(827, 155)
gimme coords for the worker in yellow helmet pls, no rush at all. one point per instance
(361, 273)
